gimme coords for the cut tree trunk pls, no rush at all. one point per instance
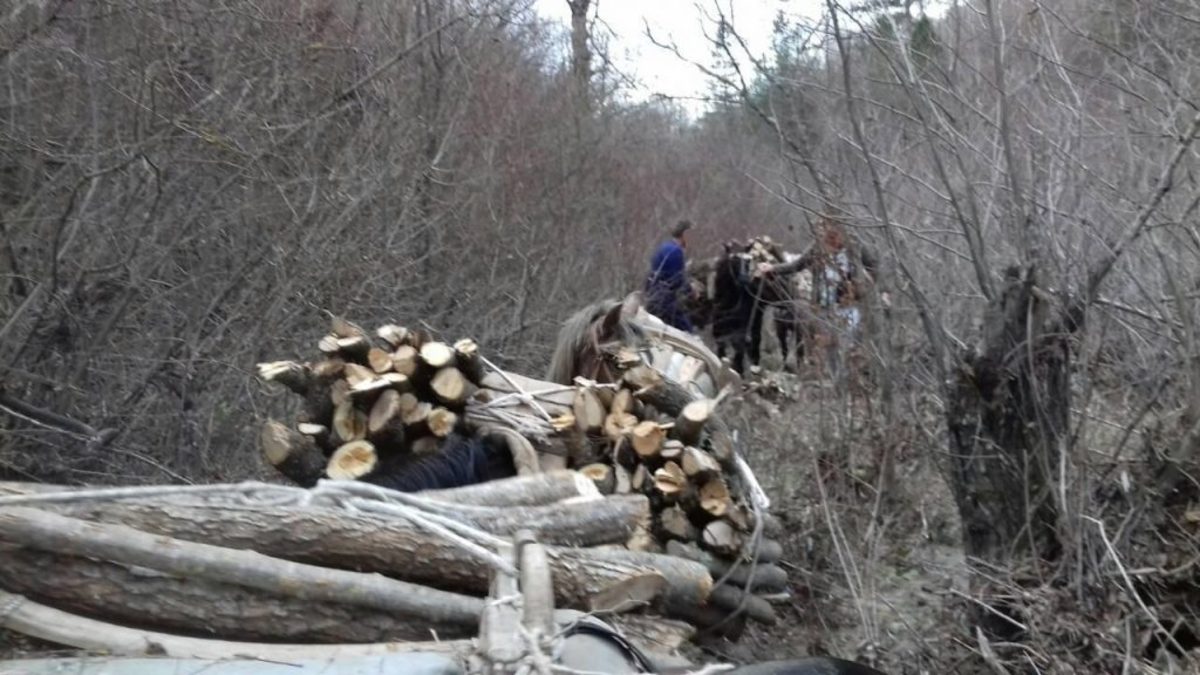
(532, 490)
(722, 538)
(466, 354)
(734, 599)
(349, 423)
(46, 623)
(689, 425)
(688, 583)
(670, 481)
(647, 439)
(318, 432)
(699, 464)
(144, 598)
(380, 360)
(352, 461)
(341, 328)
(405, 360)
(295, 376)
(393, 335)
(47, 531)
(374, 544)
(437, 355)
(292, 453)
(602, 475)
(589, 411)
(451, 386)
(715, 499)
(590, 523)
(762, 577)
(676, 525)
(441, 422)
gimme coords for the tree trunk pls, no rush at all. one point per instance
(46, 623)
(531, 490)
(581, 56)
(1008, 416)
(51, 532)
(143, 598)
(356, 541)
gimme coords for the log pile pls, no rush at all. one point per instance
(645, 436)
(337, 564)
(369, 401)
(632, 491)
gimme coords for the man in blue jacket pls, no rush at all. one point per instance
(667, 283)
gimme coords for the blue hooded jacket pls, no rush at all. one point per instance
(667, 283)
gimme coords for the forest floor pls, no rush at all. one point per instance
(878, 578)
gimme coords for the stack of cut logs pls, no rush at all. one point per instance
(369, 402)
(180, 570)
(632, 487)
(644, 436)
(661, 456)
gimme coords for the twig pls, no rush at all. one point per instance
(1170, 638)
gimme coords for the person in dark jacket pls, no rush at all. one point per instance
(667, 283)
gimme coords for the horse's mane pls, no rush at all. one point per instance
(579, 337)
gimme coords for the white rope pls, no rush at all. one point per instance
(138, 491)
(452, 531)
(525, 396)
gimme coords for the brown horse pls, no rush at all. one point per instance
(594, 340)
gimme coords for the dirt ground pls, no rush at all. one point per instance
(874, 578)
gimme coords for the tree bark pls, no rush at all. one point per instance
(46, 623)
(1008, 414)
(293, 454)
(581, 56)
(355, 541)
(531, 490)
(48, 531)
(608, 521)
(143, 598)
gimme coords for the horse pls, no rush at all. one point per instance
(734, 314)
(741, 298)
(595, 342)
(792, 314)
(586, 342)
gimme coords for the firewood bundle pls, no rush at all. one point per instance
(660, 456)
(648, 436)
(764, 249)
(370, 401)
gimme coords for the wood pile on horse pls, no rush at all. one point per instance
(416, 463)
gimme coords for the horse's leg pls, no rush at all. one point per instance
(783, 328)
(756, 326)
(739, 356)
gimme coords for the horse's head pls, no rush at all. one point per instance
(589, 341)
